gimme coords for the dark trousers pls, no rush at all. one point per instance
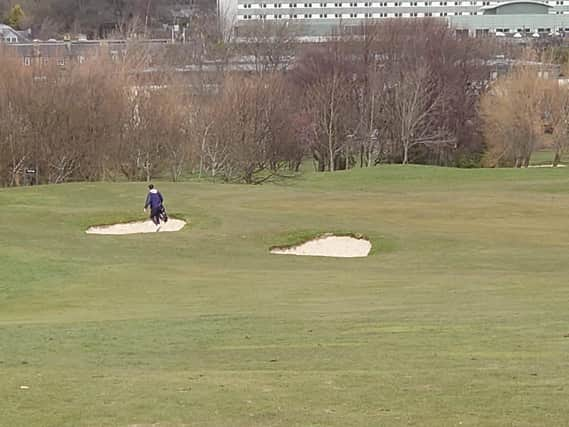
(155, 214)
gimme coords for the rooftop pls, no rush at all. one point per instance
(515, 2)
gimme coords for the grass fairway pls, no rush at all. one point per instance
(460, 316)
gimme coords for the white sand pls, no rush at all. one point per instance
(547, 166)
(137, 227)
(329, 246)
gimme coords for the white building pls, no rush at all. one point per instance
(320, 18)
(9, 35)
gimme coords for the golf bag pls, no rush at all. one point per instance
(163, 214)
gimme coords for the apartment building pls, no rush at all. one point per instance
(319, 18)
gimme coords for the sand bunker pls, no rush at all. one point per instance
(547, 166)
(329, 246)
(137, 227)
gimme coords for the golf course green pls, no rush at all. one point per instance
(459, 316)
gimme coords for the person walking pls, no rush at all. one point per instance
(154, 201)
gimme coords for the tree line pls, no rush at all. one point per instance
(399, 92)
(52, 18)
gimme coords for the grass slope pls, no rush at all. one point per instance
(459, 318)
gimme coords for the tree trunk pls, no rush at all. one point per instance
(526, 162)
(330, 153)
(556, 159)
(405, 153)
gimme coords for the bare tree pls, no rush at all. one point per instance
(416, 105)
(246, 136)
(271, 45)
(556, 118)
(513, 113)
(14, 122)
(327, 103)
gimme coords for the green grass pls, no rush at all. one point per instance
(459, 317)
(545, 157)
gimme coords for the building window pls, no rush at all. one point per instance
(353, 15)
(264, 5)
(293, 5)
(307, 5)
(337, 15)
(414, 14)
(61, 62)
(294, 16)
(308, 15)
(246, 6)
(367, 15)
(27, 61)
(323, 15)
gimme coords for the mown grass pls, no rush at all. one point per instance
(458, 318)
(546, 156)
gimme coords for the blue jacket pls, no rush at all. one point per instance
(154, 199)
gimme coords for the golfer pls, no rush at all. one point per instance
(154, 200)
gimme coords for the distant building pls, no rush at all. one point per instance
(516, 19)
(9, 35)
(475, 17)
(63, 53)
